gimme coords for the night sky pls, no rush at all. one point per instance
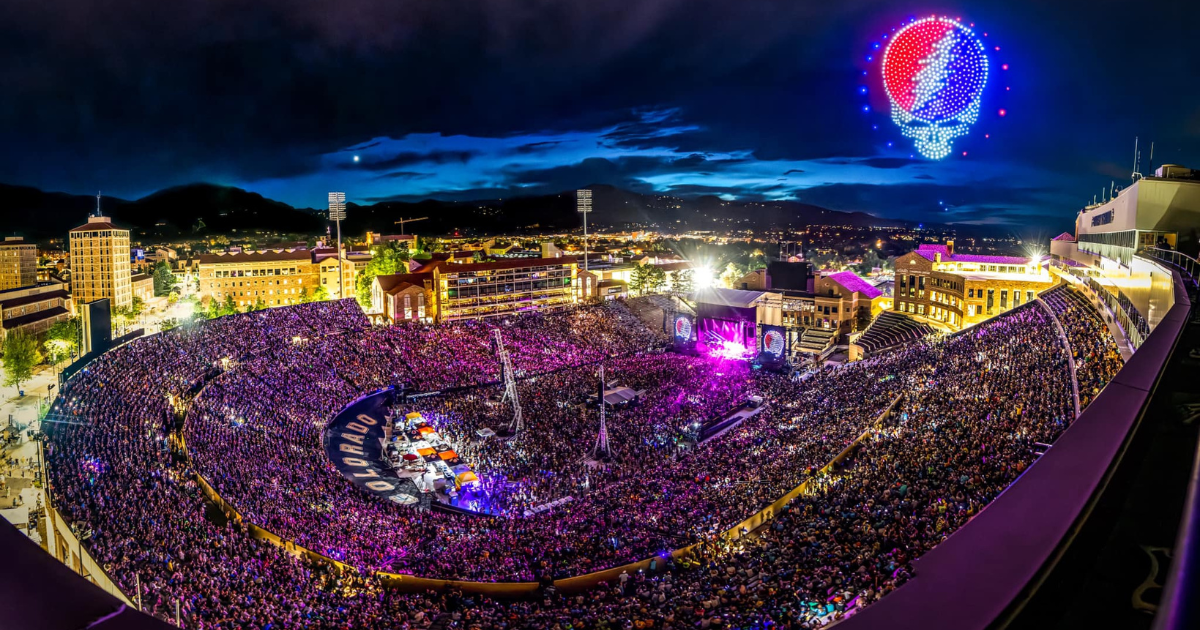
(478, 99)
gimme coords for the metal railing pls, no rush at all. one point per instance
(1188, 267)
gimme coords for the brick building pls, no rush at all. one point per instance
(959, 290)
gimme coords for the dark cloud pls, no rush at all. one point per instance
(924, 176)
(794, 170)
(403, 175)
(534, 147)
(887, 162)
(401, 160)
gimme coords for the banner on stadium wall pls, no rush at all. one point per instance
(354, 444)
(773, 343)
(683, 330)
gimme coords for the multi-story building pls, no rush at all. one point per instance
(277, 277)
(100, 263)
(328, 268)
(408, 241)
(18, 263)
(1123, 250)
(143, 286)
(472, 290)
(955, 290)
(34, 308)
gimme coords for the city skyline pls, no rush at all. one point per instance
(756, 101)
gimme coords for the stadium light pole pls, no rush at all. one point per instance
(583, 205)
(337, 212)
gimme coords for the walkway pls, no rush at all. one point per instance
(1062, 334)
(20, 491)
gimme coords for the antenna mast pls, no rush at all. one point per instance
(98, 203)
(1136, 160)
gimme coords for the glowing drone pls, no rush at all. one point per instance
(934, 72)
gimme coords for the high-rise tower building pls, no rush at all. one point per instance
(18, 263)
(100, 263)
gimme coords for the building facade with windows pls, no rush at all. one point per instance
(953, 290)
(277, 277)
(143, 286)
(1123, 250)
(100, 265)
(18, 263)
(455, 291)
(34, 308)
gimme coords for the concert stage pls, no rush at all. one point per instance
(404, 460)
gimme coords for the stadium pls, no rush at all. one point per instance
(299, 467)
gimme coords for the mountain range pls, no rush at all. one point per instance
(203, 209)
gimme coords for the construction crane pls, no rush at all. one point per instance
(401, 223)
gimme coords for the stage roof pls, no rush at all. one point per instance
(619, 395)
(729, 297)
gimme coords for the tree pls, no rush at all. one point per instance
(163, 278)
(137, 307)
(639, 278)
(758, 260)
(733, 272)
(320, 295)
(386, 259)
(870, 261)
(258, 305)
(20, 355)
(685, 281)
(657, 279)
(303, 298)
(168, 323)
(62, 339)
(228, 307)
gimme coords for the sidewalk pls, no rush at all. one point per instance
(19, 460)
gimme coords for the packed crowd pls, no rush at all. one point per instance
(242, 400)
(1097, 359)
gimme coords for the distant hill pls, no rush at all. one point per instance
(200, 209)
(181, 210)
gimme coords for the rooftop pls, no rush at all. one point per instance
(853, 282)
(97, 223)
(930, 251)
(729, 297)
(263, 256)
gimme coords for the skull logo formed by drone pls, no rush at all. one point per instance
(934, 72)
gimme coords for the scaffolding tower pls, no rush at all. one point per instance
(510, 385)
(602, 452)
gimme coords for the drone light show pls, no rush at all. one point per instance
(934, 72)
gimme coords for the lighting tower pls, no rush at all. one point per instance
(510, 384)
(337, 212)
(601, 452)
(583, 205)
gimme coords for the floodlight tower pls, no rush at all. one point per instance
(583, 205)
(337, 212)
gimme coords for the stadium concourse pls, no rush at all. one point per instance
(241, 402)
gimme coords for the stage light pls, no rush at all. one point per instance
(705, 278)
